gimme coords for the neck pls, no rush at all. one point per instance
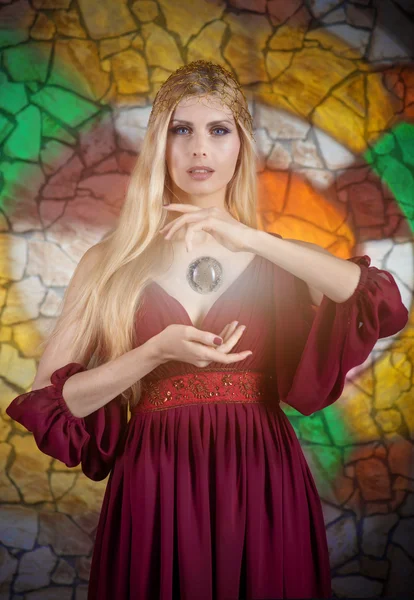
(217, 199)
(200, 201)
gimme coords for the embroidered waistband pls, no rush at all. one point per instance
(199, 388)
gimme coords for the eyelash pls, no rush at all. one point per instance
(175, 130)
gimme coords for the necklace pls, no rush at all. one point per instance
(205, 274)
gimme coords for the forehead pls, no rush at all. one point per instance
(202, 108)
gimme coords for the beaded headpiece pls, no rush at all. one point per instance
(203, 78)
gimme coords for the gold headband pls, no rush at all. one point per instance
(206, 78)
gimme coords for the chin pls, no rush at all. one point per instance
(200, 189)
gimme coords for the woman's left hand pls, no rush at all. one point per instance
(229, 232)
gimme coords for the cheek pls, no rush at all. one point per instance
(230, 151)
(174, 153)
(172, 157)
(232, 144)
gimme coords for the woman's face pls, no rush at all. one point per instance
(202, 133)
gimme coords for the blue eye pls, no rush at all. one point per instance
(226, 131)
(177, 130)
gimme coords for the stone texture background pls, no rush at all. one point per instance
(328, 83)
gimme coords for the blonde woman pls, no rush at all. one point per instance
(202, 324)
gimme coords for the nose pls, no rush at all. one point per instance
(198, 144)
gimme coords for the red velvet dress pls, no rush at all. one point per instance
(209, 495)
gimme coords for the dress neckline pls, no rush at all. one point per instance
(213, 307)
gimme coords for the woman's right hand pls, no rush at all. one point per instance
(185, 343)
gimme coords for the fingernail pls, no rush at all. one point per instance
(218, 341)
(243, 327)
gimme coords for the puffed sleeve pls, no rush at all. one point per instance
(92, 441)
(317, 346)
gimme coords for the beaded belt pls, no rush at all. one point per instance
(201, 388)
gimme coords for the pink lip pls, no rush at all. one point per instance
(200, 167)
(200, 176)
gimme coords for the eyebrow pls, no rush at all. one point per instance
(208, 124)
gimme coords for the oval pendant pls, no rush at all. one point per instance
(205, 274)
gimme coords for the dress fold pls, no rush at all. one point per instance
(91, 441)
(317, 346)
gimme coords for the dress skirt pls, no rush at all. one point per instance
(211, 500)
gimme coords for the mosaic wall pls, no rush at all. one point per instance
(331, 88)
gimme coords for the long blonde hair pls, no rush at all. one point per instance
(105, 312)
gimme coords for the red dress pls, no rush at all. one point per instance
(210, 496)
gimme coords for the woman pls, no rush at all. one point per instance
(209, 494)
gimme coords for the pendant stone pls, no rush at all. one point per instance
(205, 274)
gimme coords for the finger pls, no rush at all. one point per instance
(217, 356)
(171, 232)
(224, 331)
(188, 218)
(202, 337)
(166, 227)
(191, 230)
(230, 328)
(177, 206)
(227, 331)
(172, 227)
(188, 238)
(232, 340)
